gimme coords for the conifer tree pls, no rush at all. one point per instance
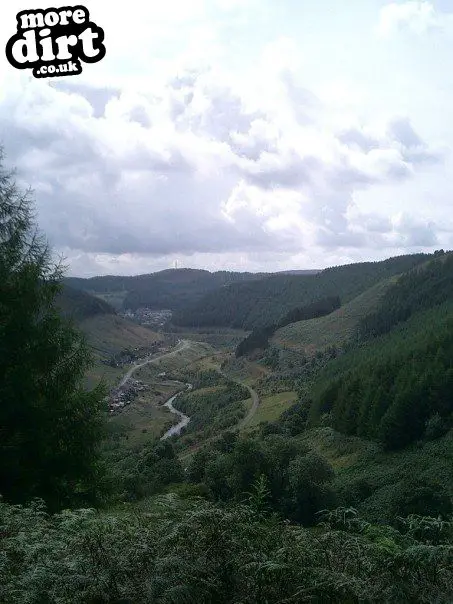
(49, 425)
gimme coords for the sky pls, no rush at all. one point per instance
(240, 135)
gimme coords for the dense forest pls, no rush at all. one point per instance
(171, 289)
(345, 497)
(396, 387)
(79, 305)
(259, 338)
(424, 287)
(264, 302)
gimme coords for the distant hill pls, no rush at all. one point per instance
(172, 289)
(314, 271)
(263, 302)
(79, 305)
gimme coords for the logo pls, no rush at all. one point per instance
(54, 42)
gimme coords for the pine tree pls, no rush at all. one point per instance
(49, 425)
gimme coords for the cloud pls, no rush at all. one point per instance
(417, 16)
(195, 163)
(191, 169)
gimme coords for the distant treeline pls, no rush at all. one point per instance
(255, 304)
(172, 289)
(259, 338)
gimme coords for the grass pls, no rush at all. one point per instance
(145, 418)
(271, 407)
(341, 451)
(224, 339)
(108, 335)
(247, 372)
(183, 358)
(334, 329)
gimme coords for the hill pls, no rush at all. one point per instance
(333, 329)
(260, 303)
(171, 289)
(79, 305)
(395, 385)
(108, 334)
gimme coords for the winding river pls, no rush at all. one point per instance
(183, 419)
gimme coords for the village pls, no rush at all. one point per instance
(149, 317)
(125, 394)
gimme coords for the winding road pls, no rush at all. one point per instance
(182, 345)
(184, 419)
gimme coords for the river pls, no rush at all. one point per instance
(183, 419)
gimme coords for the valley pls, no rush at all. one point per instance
(313, 405)
(273, 390)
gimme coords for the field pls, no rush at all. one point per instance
(108, 334)
(146, 417)
(224, 339)
(333, 329)
(248, 372)
(270, 408)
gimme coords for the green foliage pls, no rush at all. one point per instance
(289, 480)
(49, 426)
(390, 388)
(432, 531)
(259, 338)
(169, 289)
(137, 473)
(78, 305)
(422, 288)
(215, 409)
(229, 555)
(260, 303)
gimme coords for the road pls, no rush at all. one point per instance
(253, 395)
(253, 408)
(182, 345)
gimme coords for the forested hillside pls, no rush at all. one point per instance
(424, 287)
(169, 289)
(396, 386)
(259, 338)
(265, 302)
(79, 305)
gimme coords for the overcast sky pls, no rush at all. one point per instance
(241, 134)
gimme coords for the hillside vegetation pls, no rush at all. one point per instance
(264, 302)
(334, 329)
(79, 305)
(106, 333)
(396, 386)
(171, 289)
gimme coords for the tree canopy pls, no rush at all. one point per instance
(49, 425)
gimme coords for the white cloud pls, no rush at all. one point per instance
(186, 159)
(418, 16)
